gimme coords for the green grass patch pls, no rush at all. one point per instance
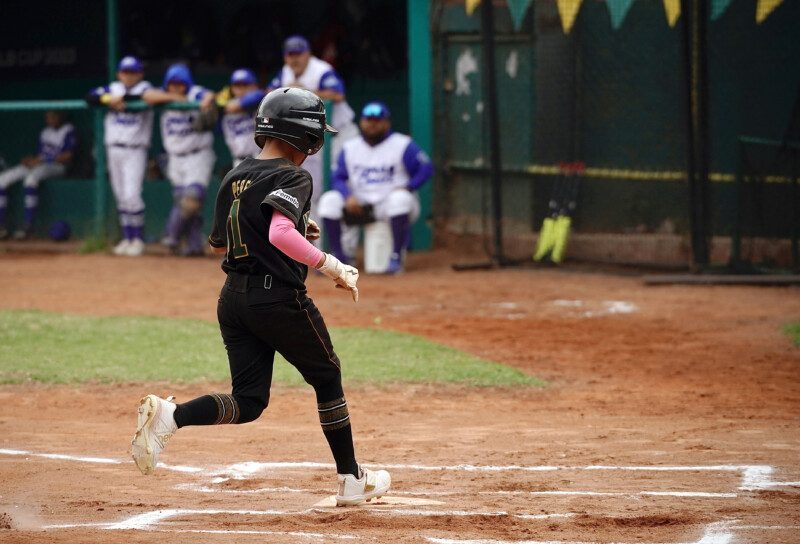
(56, 348)
(93, 245)
(793, 330)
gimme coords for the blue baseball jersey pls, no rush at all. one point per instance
(54, 141)
(177, 133)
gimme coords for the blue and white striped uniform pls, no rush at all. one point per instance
(52, 143)
(191, 154)
(127, 138)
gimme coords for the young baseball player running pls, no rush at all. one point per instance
(127, 139)
(381, 171)
(191, 160)
(261, 224)
(56, 146)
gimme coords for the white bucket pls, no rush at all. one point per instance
(377, 247)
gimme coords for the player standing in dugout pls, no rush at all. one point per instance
(261, 223)
(127, 139)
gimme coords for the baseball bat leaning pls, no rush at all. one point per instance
(555, 231)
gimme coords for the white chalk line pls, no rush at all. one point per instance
(300, 534)
(199, 488)
(147, 520)
(715, 533)
(765, 527)
(754, 477)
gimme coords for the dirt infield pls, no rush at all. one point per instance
(672, 415)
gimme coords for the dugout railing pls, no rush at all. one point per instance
(95, 211)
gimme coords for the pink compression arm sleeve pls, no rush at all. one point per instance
(285, 237)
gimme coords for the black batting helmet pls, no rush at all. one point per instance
(295, 116)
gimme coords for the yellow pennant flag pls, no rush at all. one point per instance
(568, 10)
(673, 9)
(764, 8)
(471, 5)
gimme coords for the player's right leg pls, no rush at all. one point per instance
(400, 209)
(115, 157)
(130, 203)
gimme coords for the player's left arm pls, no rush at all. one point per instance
(418, 165)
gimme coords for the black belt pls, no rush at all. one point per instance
(190, 152)
(241, 283)
(126, 146)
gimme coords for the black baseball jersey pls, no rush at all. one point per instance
(243, 212)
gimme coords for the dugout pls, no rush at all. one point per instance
(65, 54)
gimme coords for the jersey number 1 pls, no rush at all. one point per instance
(235, 246)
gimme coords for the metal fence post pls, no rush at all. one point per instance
(100, 185)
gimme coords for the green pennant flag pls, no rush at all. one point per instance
(618, 10)
(518, 9)
(718, 7)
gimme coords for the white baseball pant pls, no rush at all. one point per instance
(398, 202)
(31, 176)
(126, 168)
(192, 168)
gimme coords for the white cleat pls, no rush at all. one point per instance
(155, 427)
(372, 484)
(135, 248)
(122, 247)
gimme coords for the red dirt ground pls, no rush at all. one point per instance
(695, 377)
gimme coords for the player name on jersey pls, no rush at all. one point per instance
(239, 185)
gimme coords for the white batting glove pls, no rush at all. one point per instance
(312, 231)
(344, 275)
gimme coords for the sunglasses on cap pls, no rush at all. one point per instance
(375, 111)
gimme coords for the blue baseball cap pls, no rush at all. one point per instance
(243, 76)
(179, 72)
(376, 110)
(130, 64)
(295, 44)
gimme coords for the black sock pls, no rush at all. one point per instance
(335, 421)
(341, 444)
(214, 409)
